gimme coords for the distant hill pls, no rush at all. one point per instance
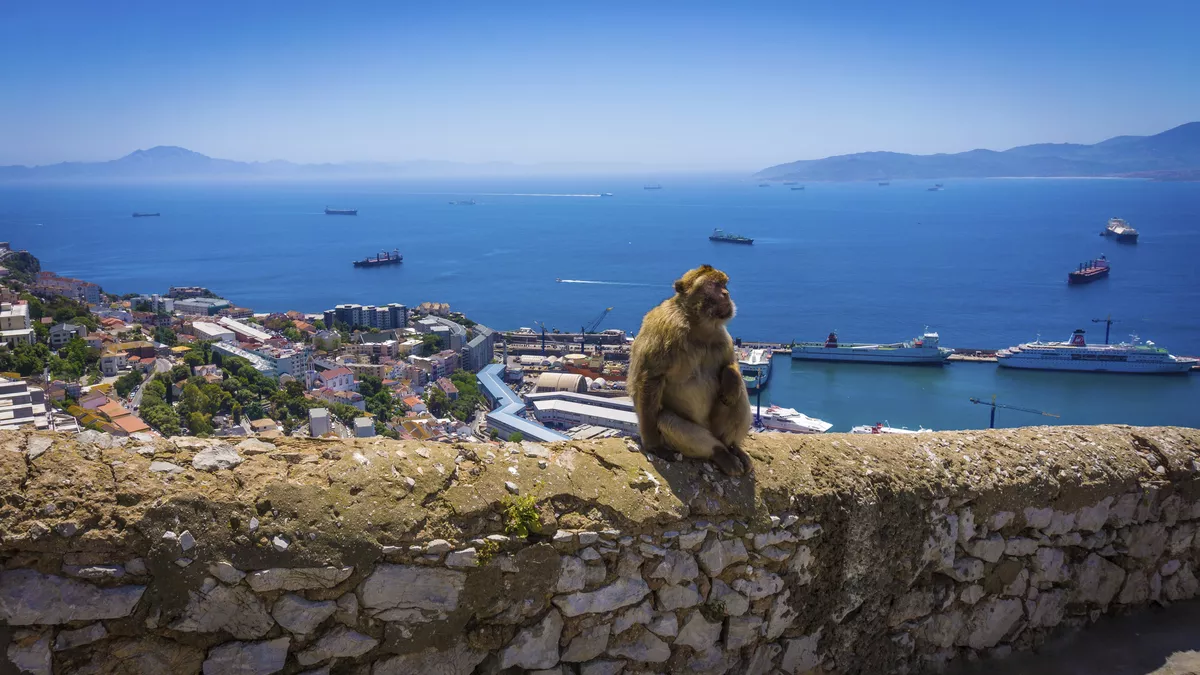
(1171, 155)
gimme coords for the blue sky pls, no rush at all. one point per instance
(674, 84)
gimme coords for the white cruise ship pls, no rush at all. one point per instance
(922, 350)
(755, 365)
(792, 421)
(1078, 355)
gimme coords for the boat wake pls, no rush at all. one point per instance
(531, 194)
(602, 283)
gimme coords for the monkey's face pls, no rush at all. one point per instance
(715, 301)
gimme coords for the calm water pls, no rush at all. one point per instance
(983, 262)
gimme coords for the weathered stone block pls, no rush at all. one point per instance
(698, 633)
(415, 593)
(741, 631)
(989, 622)
(716, 555)
(29, 651)
(233, 609)
(911, 605)
(645, 647)
(1145, 541)
(340, 642)
(733, 603)
(247, 658)
(572, 573)
(299, 615)
(1097, 580)
(801, 654)
(988, 550)
(671, 598)
(589, 644)
(28, 597)
(458, 659)
(760, 584)
(298, 578)
(621, 593)
(676, 567)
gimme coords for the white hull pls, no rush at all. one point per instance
(1065, 362)
(871, 429)
(848, 354)
(791, 421)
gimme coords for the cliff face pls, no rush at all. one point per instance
(841, 554)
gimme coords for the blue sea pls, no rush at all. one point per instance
(983, 262)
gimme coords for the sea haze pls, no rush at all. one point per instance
(984, 262)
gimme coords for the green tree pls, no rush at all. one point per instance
(516, 437)
(127, 383)
(179, 372)
(237, 413)
(166, 336)
(25, 360)
(200, 424)
(292, 334)
(437, 401)
(194, 358)
(319, 324)
(431, 343)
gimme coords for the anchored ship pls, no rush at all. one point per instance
(1120, 230)
(464, 202)
(755, 365)
(923, 350)
(1089, 271)
(721, 235)
(340, 212)
(789, 182)
(144, 215)
(791, 421)
(883, 183)
(798, 188)
(1078, 355)
(383, 258)
(606, 194)
(883, 428)
(764, 185)
(655, 186)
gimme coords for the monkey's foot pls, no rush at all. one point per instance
(661, 451)
(731, 461)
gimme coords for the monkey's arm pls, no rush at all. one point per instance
(729, 384)
(648, 405)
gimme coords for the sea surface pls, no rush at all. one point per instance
(983, 262)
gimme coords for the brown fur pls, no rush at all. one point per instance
(684, 378)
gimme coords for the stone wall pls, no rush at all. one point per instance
(841, 554)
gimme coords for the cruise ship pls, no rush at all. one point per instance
(1121, 231)
(755, 365)
(1078, 355)
(791, 421)
(923, 350)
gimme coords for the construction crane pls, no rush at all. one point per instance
(1108, 321)
(994, 405)
(542, 325)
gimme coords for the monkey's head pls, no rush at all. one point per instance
(703, 295)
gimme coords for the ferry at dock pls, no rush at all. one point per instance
(755, 365)
(883, 428)
(924, 350)
(1079, 356)
(791, 421)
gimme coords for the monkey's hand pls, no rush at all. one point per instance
(732, 461)
(728, 383)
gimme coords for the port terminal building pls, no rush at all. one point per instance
(569, 409)
(507, 408)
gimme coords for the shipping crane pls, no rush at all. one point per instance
(591, 328)
(542, 325)
(1108, 321)
(994, 405)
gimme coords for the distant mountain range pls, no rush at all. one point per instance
(1171, 155)
(170, 162)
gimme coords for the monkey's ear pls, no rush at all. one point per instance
(706, 268)
(680, 287)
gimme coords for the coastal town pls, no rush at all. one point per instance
(189, 362)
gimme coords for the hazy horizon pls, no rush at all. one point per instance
(704, 87)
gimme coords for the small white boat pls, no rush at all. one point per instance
(791, 421)
(881, 428)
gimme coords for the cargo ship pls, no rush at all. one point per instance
(144, 215)
(764, 185)
(1078, 355)
(789, 182)
(384, 258)
(340, 212)
(1121, 231)
(1089, 271)
(884, 183)
(606, 194)
(755, 365)
(655, 186)
(883, 428)
(721, 235)
(464, 202)
(798, 188)
(791, 421)
(923, 350)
